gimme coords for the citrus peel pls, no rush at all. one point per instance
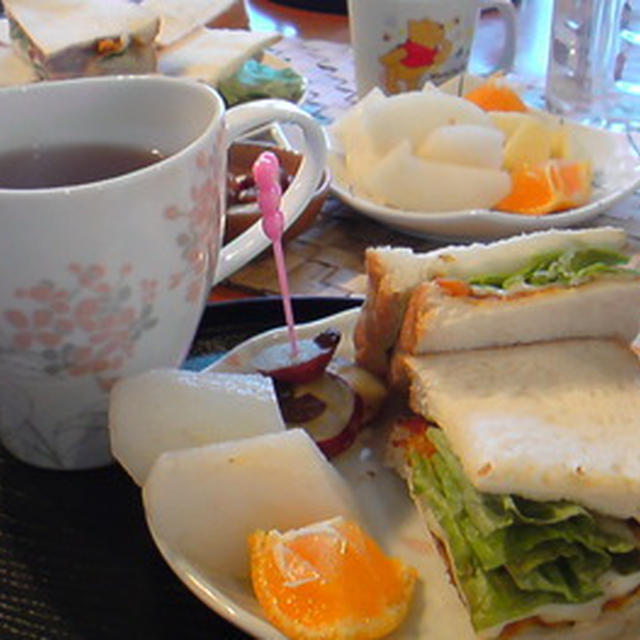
(554, 185)
(329, 581)
(495, 95)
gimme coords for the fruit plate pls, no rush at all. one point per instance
(386, 513)
(616, 169)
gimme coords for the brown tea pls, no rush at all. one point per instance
(66, 165)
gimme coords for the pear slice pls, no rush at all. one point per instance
(412, 115)
(341, 131)
(407, 182)
(530, 144)
(203, 503)
(166, 409)
(467, 144)
(509, 121)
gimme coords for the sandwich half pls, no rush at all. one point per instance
(527, 288)
(524, 462)
(212, 55)
(71, 38)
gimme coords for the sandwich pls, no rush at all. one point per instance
(180, 18)
(213, 55)
(232, 61)
(546, 285)
(524, 463)
(71, 38)
(521, 450)
(14, 69)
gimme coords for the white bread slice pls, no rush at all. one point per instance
(438, 321)
(547, 421)
(5, 37)
(180, 18)
(14, 69)
(56, 25)
(393, 274)
(211, 55)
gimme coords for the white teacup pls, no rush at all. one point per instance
(399, 46)
(107, 278)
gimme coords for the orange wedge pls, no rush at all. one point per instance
(554, 185)
(329, 581)
(495, 95)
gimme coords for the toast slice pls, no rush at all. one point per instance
(437, 320)
(393, 274)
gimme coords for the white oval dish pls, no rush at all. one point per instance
(388, 514)
(616, 165)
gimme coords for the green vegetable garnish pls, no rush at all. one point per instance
(255, 80)
(570, 267)
(511, 554)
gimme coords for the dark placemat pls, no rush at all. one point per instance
(76, 559)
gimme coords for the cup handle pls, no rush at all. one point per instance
(508, 15)
(246, 118)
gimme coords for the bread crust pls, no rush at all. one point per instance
(437, 321)
(394, 273)
(380, 319)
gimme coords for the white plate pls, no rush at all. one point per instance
(616, 174)
(388, 514)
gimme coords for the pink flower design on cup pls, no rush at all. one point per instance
(88, 329)
(195, 241)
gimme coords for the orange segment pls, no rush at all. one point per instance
(554, 185)
(329, 581)
(495, 95)
(575, 178)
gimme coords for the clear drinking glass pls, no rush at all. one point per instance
(594, 62)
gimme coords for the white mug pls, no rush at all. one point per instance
(108, 278)
(398, 45)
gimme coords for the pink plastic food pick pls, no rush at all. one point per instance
(266, 173)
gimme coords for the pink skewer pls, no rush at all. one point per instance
(266, 173)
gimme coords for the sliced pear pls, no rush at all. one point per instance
(466, 144)
(509, 121)
(565, 145)
(167, 409)
(360, 156)
(405, 181)
(412, 115)
(203, 503)
(341, 131)
(530, 144)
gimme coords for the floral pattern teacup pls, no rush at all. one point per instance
(106, 279)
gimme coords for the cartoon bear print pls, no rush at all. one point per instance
(425, 50)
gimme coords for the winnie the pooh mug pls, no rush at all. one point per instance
(112, 210)
(398, 45)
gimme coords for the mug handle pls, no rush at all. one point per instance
(508, 15)
(250, 117)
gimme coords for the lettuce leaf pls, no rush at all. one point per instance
(512, 555)
(571, 267)
(255, 80)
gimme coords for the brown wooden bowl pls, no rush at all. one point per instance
(242, 155)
